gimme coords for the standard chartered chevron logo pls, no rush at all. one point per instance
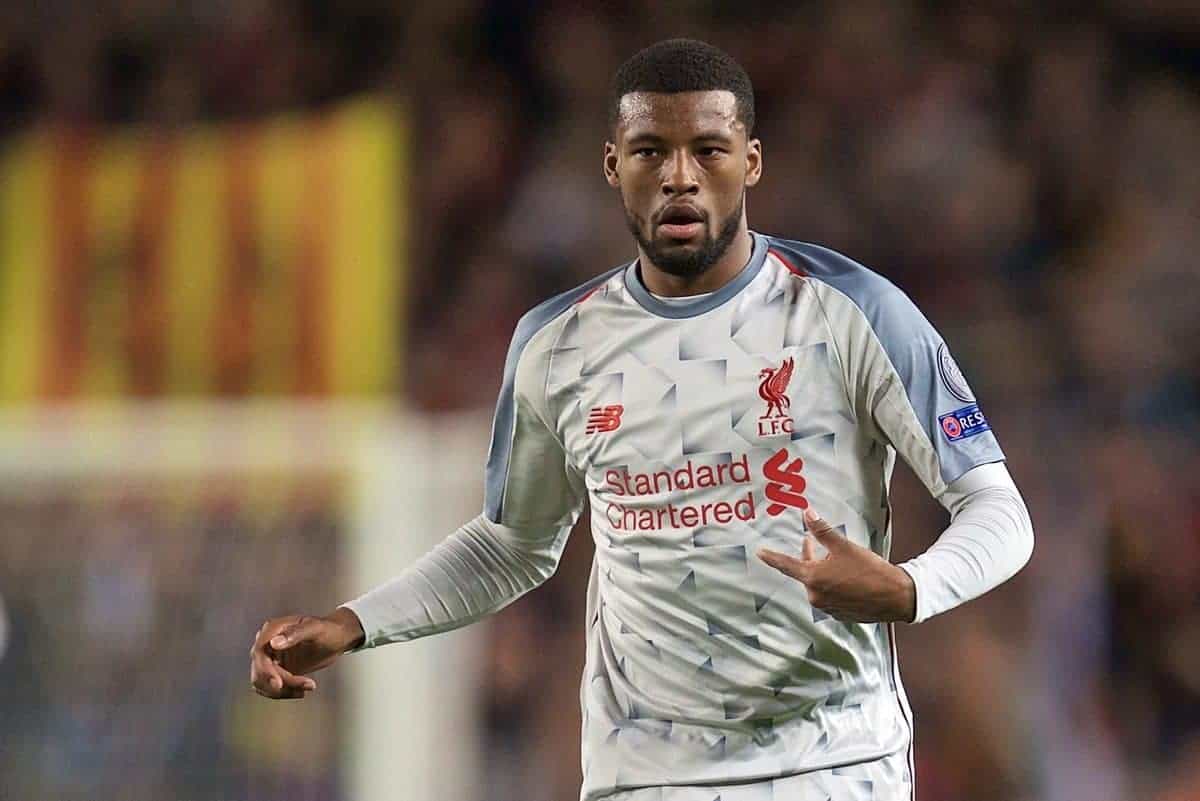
(785, 485)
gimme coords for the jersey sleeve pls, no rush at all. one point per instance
(532, 500)
(907, 387)
(921, 402)
(990, 538)
(479, 569)
(530, 483)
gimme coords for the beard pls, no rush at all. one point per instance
(684, 263)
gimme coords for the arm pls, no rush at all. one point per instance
(478, 570)
(989, 539)
(533, 498)
(921, 405)
(909, 395)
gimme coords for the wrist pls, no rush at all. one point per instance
(906, 594)
(353, 635)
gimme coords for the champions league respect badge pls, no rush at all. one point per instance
(965, 422)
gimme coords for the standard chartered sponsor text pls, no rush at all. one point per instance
(625, 516)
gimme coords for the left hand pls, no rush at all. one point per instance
(851, 583)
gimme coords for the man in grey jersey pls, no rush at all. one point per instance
(708, 399)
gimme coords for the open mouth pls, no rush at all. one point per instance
(681, 222)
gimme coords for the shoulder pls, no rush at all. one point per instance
(538, 328)
(543, 317)
(883, 305)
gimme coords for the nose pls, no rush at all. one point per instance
(679, 175)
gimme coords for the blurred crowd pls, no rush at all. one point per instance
(1028, 172)
(130, 611)
(136, 61)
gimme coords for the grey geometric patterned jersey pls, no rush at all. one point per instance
(884, 779)
(700, 432)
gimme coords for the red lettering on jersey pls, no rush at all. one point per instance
(773, 389)
(778, 425)
(603, 419)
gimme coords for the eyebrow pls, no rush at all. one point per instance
(710, 135)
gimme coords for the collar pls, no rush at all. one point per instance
(684, 307)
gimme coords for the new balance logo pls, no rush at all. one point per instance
(603, 419)
(785, 485)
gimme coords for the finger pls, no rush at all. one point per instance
(264, 672)
(271, 628)
(278, 680)
(304, 628)
(294, 681)
(806, 550)
(798, 569)
(286, 694)
(826, 534)
(270, 675)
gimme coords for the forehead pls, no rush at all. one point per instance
(675, 114)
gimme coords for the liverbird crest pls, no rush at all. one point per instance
(773, 388)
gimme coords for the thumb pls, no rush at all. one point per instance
(303, 629)
(826, 534)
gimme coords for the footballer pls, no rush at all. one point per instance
(729, 405)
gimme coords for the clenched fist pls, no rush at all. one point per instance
(286, 649)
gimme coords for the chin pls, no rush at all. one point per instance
(681, 244)
(696, 241)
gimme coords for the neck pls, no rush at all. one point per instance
(665, 284)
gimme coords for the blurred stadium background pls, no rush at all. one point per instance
(259, 263)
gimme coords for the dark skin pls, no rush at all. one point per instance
(671, 151)
(687, 149)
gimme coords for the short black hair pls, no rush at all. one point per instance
(683, 65)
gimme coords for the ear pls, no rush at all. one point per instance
(610, 165)
(754, 164)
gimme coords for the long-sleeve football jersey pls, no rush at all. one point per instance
(699, 431)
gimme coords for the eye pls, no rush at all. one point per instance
(646, 152)
(711, 151)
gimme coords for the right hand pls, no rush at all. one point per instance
(286, 649)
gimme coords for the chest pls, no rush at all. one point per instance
(663, 394)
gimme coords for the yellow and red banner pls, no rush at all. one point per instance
(251, 259)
